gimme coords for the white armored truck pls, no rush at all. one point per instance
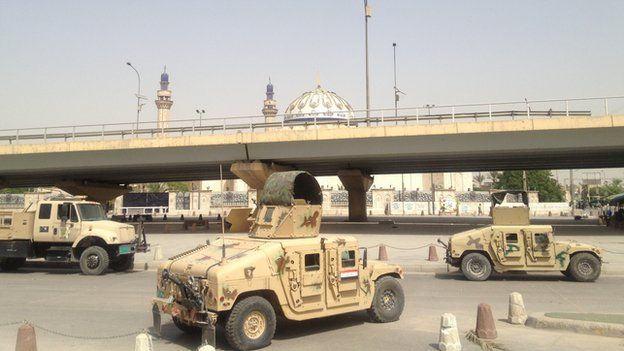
(66, 229)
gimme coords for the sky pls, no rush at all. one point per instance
(63, 62)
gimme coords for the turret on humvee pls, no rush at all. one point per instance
(513, 244)
(282, 268)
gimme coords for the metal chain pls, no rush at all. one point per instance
(108, 337)
(613, 252)
(9, 324)
(406, 248)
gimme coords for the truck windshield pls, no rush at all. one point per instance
(91, 212)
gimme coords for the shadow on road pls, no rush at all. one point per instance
(519, 276)
(287, 329)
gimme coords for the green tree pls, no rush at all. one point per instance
(616, 186)
(179, 186)
(549, 190)
(478, 179)
(15, 190)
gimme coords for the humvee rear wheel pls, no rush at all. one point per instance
(94, 260)
(12, 264)
(584, 267)
(187, 328)
(476, 267)
(388, 301)
(251, 324)
(123, 263)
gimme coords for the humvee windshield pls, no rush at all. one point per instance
(91, 212)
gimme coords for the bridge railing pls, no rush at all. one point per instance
(427, 114)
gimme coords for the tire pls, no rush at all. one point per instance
(186, 328)
(584, 267)
(94, 260)
(476, 267)
(123, 263)
(388, 302)
(12, 263)
(251, 324)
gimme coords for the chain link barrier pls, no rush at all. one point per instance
(406, 248)
(81, 337)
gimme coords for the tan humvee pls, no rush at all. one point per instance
(66, 229)
(512, 244)
(282, 268)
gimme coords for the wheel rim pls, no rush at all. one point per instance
(388, 300)
(93, 261)
(585, 268)
(255, 325)
(476, 267)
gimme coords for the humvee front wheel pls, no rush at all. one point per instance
(388, 301)
(94, 260)
(584, 267)
(12, 263)
(476, 267)
(251, 324)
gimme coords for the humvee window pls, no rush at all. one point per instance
(541, 238)
(348, 258)
(511, 238)
(73, 216)
(312, 262)
(44, 211)
(268, 214)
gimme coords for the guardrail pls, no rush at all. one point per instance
(428, 114)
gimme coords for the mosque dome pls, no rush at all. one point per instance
(319, 104)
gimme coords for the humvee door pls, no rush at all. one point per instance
(509, 247)
(303, 279)
(540, 248)
(343, 275)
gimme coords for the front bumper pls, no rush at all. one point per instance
(190, 316)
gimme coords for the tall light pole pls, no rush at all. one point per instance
(200, 113)
(396, 91)
(138, 94)
(367, 14)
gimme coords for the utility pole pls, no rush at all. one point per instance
(432, 195)
(572, 190)
(524, 181)
(367, 13)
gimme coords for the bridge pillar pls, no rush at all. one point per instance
(357, 184)
(99, 192)
(255, 173)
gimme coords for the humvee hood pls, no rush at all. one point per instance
(198, 261)
(126, 231)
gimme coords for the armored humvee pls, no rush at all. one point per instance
(66, 229)
(282, 268)
(512, 244)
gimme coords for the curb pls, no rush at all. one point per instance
(540, 321)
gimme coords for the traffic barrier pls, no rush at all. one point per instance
(26, 339)
(145, 267)
(166, 227)
(517, 312)
(143, 342)
(157, 252)
(206, 348)
(449, 336)
(486, 329)
(194, 227)
(433, 253)
(383, 253)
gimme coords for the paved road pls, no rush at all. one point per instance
(118, 303)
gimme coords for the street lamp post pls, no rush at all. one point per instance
(138, 94)
(367, 14)
(200, 113)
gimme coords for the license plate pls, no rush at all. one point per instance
(125, 249)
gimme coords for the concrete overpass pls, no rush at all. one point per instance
(530, 143)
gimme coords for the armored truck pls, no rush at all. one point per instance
(66, 229)
(513, 244)
(282, 268)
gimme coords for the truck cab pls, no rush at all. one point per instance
(67, 229)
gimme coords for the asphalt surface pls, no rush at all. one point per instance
(67, 302)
